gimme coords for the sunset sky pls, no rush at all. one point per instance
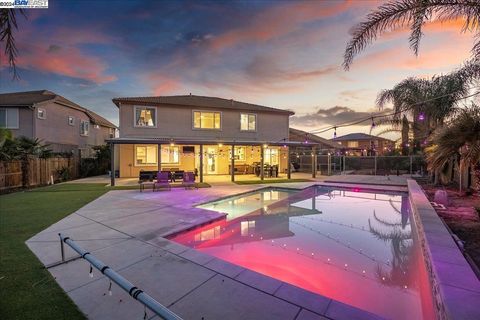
(276, 53)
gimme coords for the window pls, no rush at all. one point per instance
(84, 128)
(352, 144)
(71, 120)
(248, 122)
(41, 113)
(247, 227)
(170, 154)
(146, 155)
(271, 156)
(239, 153)
(9, 118)
(206, 120)
(146, 117)
(111, 132)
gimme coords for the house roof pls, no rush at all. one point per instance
(30, 98)
(357, 136)
(299, 135)
(198, 101)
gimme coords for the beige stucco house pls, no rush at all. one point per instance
(196, 133)
(55, 120)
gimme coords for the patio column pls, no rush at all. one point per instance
(232, 171)
(289, 173)
(314, 162)
(112, 164)
(262, 161)
(201, 163)
(159, 157)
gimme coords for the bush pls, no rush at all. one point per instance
(98, 165)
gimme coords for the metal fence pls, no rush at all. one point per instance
(368, 165)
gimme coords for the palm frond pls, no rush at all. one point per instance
(8, 25)
(397, 14)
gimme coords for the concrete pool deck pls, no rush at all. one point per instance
(125, 229)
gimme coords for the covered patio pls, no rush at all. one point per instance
(210, 160)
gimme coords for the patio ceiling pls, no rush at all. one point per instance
(189, 141)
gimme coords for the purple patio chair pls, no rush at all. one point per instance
(162, 181)
(189, 180)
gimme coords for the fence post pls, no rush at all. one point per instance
(411, 164)
(329, 163)
(375, 172)
(344, 158)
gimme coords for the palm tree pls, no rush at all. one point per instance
(427, 102)
(26, 149)
(8, 24)
(461, 137)
(398, 14)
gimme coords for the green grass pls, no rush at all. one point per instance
(27, 290)
(272, 181)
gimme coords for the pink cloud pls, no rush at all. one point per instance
(56, 51)
(279, 21)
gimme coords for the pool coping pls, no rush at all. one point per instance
(455, 287)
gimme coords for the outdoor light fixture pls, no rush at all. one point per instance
(421, 116)
(172, 144)
(265, 145)
(373, 123)
(334, 132)
(220, 145)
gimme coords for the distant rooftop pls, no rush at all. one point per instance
(199, 101)
(300, 135)
(357, 136)
(30, 98)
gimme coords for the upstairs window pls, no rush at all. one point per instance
(9, 118)
(111, 132)
(84, 128)
(41, 113)
(71, 120)
(146, 155)
(146, 117)
(352, 144)
(206, 120)
(248, 122)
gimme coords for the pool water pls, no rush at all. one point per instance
(238, 206)
(351, 245)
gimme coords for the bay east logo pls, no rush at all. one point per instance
(24, 4)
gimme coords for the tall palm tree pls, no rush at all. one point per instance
(428, 102)
(398, 14)
(461, 137)
(8, 25)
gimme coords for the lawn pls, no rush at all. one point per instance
(28, 291)
(272, 181)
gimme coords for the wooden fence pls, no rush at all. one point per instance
(41, 172)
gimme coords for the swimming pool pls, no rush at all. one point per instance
(355, 246)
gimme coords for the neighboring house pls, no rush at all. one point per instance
(196, 133)
(62, 124)
(323, 146)
(363, 144)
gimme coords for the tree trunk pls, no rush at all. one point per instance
(25, 172)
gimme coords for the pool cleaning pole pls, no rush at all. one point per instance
(123, 283)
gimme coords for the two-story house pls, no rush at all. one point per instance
(62, 124)
(362, 144)
(196, 133)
